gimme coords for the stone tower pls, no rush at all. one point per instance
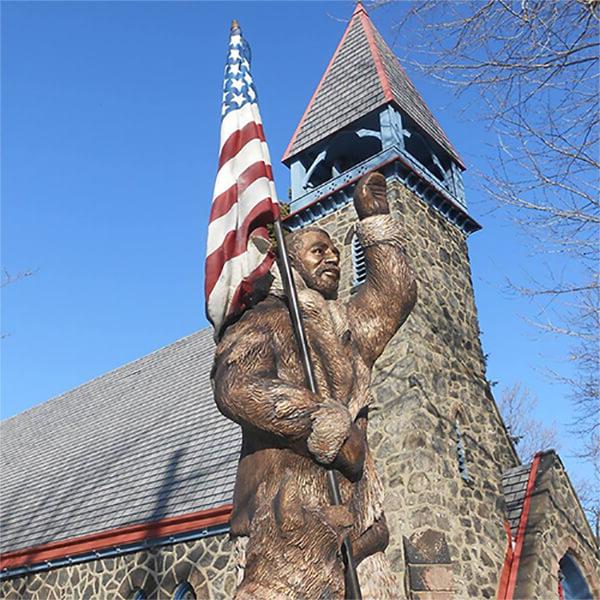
(438, 439)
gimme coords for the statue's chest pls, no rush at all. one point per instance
(334, 362)
(333, 355)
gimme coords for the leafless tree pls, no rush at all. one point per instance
(518, 408)
(532, 67)
(8, 278)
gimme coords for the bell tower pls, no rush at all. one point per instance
(435, 430)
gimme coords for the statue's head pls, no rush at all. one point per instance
(316, 259)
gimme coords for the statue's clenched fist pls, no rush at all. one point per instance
(370, 196)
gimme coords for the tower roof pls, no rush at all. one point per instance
(362, 75)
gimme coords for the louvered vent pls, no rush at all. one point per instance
(359, 263)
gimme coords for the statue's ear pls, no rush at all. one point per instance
(288, 513)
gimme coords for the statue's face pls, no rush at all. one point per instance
(318, 261)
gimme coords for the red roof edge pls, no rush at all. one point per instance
(368, 27)
(359, 8)
(117, 537)
(505, 574)
(509, 592)
(386, 85)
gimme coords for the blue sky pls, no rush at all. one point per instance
(110, 119)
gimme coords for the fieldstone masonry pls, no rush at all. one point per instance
(430, 373)
(206, 564)
(555, 528)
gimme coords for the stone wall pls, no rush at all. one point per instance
(206, 564)
(556, 525)
(433, 372)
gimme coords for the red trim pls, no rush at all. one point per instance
(117, 537)
(368, 27)
(522, 529)
(504, 576)
(561, 591)
(358, 9)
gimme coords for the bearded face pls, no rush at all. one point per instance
(315, 257)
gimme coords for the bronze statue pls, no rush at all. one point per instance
(290, 435)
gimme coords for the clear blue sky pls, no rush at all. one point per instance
(110, 119)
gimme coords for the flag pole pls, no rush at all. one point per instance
(351, 578)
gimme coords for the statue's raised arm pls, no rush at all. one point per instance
(385, 300)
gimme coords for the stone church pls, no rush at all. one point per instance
(107, 492)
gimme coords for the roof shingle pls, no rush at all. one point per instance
(514, 488)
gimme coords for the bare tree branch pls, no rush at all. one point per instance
(518, 407)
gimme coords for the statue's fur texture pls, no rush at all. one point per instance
(298, 542)
(289, 431)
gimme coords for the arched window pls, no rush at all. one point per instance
(571, 582)
(417, 146)
(184, 591)
(359, 263)
(137, 594)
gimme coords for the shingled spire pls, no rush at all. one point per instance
(366, 115)
(362, 75)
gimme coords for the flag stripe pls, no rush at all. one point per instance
(236, 242)
(238, 213)
(235, 273)
(231, 170)
(238, 119)
(239, 139)
(223, 203)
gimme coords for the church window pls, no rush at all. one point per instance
(137, 594)
(460, 450)
(184, 591)
(571, 582)
(359, 262)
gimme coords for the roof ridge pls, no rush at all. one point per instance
(89, 382)
(377, 59)
(408, 81)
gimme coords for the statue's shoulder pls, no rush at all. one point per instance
(264, 318)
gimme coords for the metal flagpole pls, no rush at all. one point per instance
(352, 585)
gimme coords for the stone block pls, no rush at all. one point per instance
(433, 596)
(427, 547)
(431, 578)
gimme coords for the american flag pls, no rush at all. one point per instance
(244, 198)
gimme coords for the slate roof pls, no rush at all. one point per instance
(514, 488)
(138, 444)
(363, 74)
